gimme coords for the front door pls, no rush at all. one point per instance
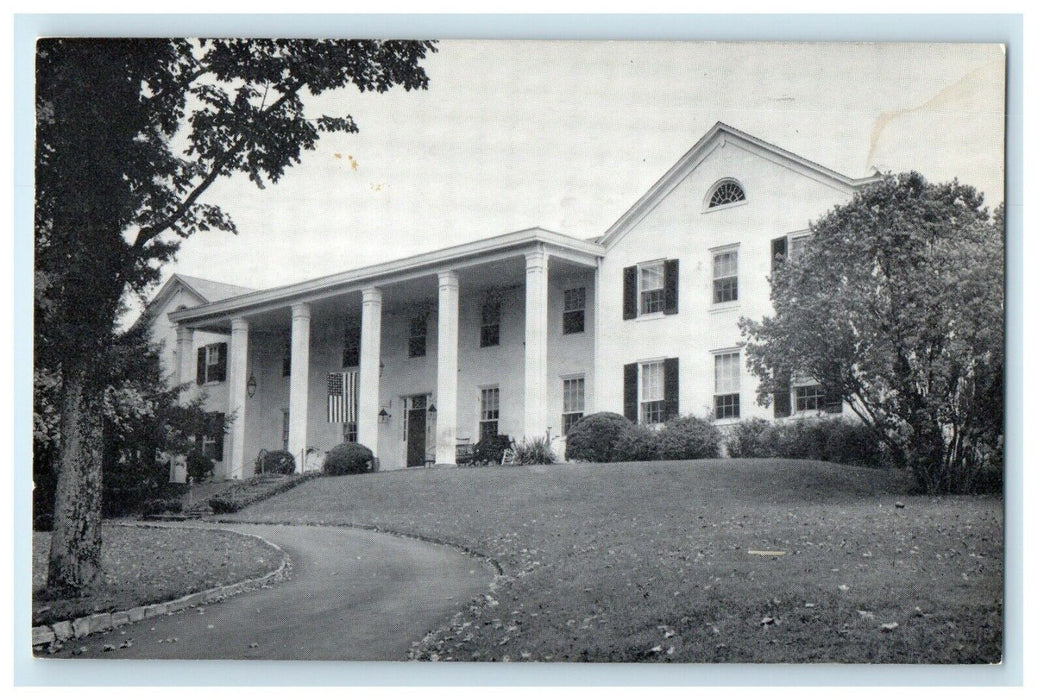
(416, 434)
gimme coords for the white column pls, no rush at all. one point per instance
(370, 367)
(300, 329)
(535, 418)
(237, 380)
(446, 383)
(186, 370)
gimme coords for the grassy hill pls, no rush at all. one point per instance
(673, 561)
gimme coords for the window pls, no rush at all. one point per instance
(572, 402)
(489, 412)
(726, 280)
(212, 442)
(726, 385)
(210, 363)
(573, 313)
(809, 398)
(797, 245)
(286, 429)
(490, 333)
(651, 295)
(653, 405)
(418, 335)
(350, 358)
(788, 247)
(726, 193)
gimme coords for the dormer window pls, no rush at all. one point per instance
(727, 192)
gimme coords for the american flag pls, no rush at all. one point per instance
(342, 393)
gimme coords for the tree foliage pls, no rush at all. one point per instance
(130, 134)
(897, 304)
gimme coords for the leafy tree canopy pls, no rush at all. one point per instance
(897, 304)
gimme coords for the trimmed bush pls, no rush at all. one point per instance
(688, 437)
(198, 466)
(535, 451)
(348, 458)
(491, 449)
(591, 439)
(747, 439)
(275, 462)
(636, 443)
(243, 493)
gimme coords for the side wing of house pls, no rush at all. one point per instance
(686, 263)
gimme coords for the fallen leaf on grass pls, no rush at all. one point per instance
(889, 626)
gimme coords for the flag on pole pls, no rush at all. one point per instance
(342, 394)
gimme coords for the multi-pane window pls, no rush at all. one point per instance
(350, 357)
(213, 371)
(653, 406)
(726, 385)
(809, 398)
(212, 441)
(418, 342)
(572, 402)
(651, 296)
(726, 193)
(726, 280)
(286, 429)
(489, 412)
(490, 333)
(573, 313)
(797, 245)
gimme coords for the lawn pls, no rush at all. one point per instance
(152, 565)
(673, 561)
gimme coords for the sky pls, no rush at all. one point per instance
(568, 135)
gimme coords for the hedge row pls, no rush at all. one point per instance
(827, 440)
(243, 493)
(609, 437)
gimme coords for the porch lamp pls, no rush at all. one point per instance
(431, 409)
(251, 386)
(383, 416)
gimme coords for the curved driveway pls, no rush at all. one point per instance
(354, 594)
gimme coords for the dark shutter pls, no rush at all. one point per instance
(201, 366)
(781, 397)
(217, 430)
(670, 387)
(670, 287)
(630, 292)
(631, 391)
(832, 403)
(219, 371)
(779, 252)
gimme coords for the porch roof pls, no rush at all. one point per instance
(575, 250)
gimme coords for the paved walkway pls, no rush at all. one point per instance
(354, 594)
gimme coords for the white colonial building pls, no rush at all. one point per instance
(519, 334)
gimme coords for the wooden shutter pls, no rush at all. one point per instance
(630, 292)
(670, 387)
(781, 397)
(670, 286)
(222, 364)
(779, 252)
(631, 391)
(201, 366)
(217, 431)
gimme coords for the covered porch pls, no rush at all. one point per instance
(408, 358)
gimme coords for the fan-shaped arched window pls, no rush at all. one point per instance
(726, 193)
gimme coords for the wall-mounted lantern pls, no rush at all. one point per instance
(383, 416)
(251, 386)
(431, 409)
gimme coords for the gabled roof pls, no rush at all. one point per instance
(715, 136)
(207, 291)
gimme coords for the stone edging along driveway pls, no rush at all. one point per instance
(100, 622)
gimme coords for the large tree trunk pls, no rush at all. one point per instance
(75, 560)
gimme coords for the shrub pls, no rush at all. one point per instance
(490, 450)
(198, 466)
(591, 439)
(161, 505)
(535, 451)
(275, 462)
(747, 439)
(636, 443)
(688, 437)
(848, 442)
(348, 458)
(243, 493)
